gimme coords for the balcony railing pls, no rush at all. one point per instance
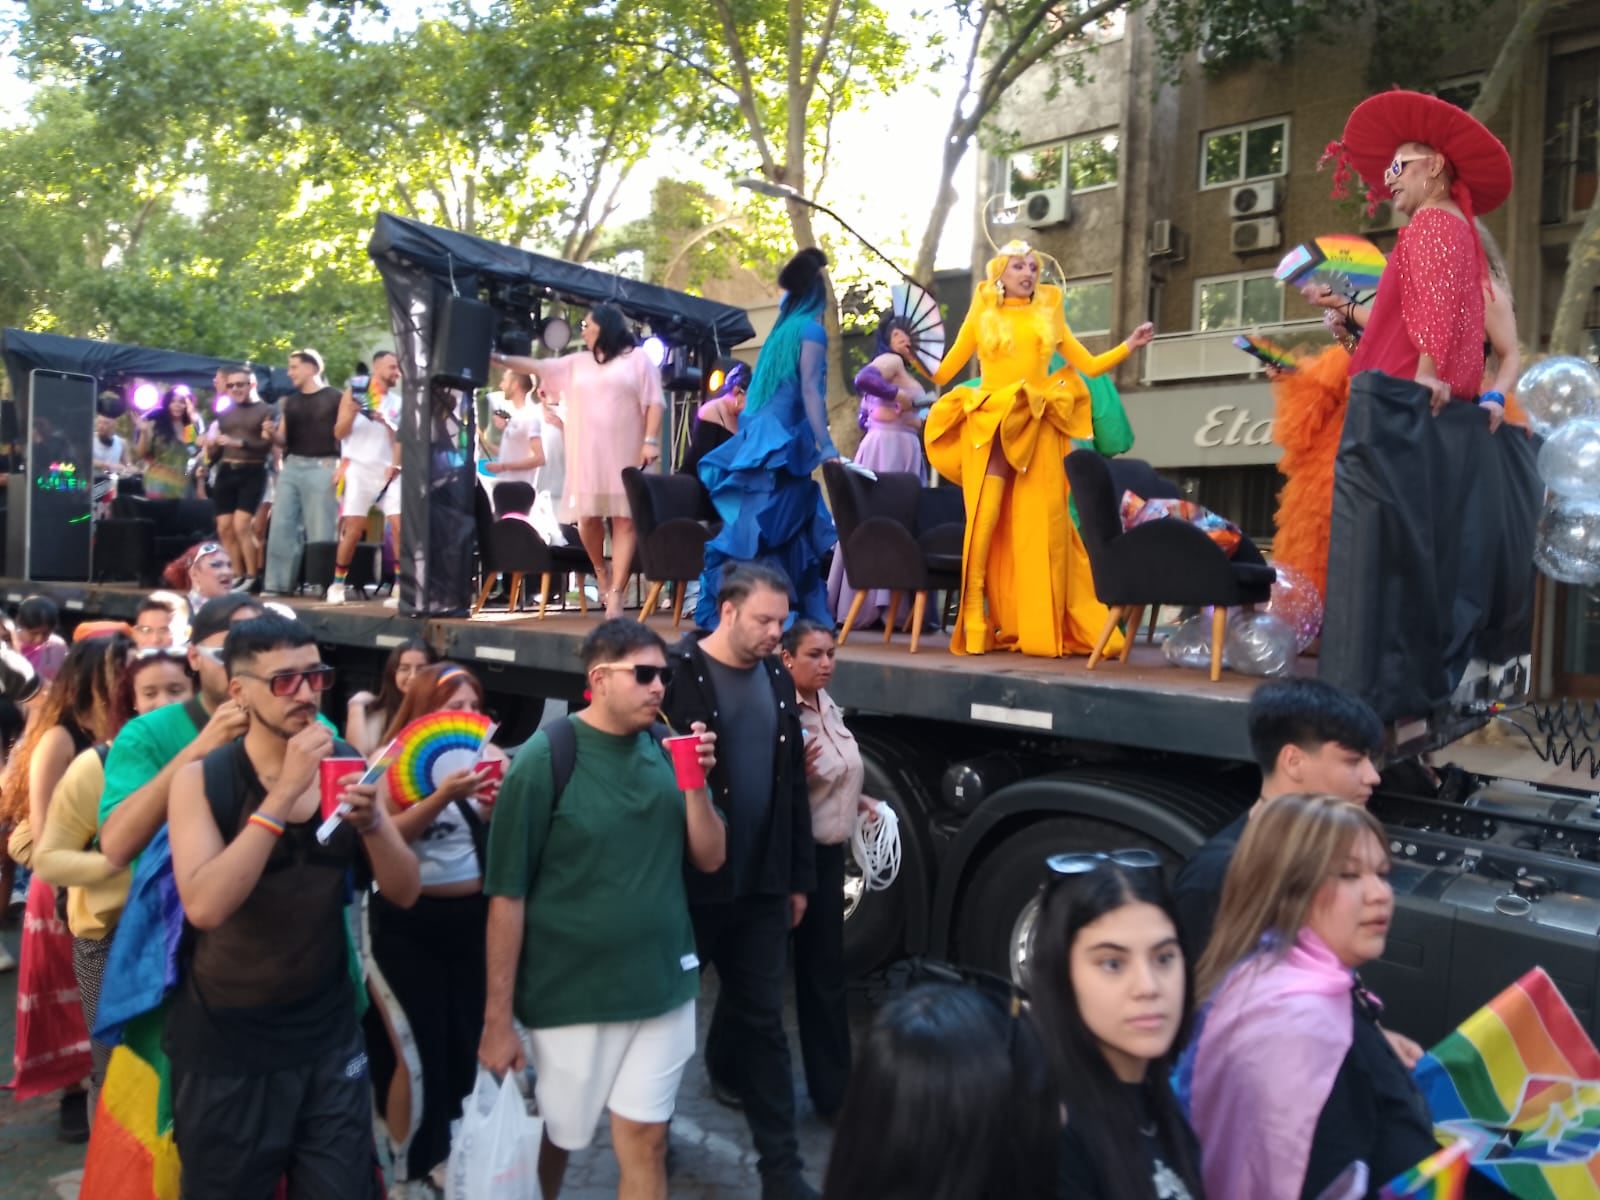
(1179, 357)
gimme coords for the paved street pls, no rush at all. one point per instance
(712, 1153)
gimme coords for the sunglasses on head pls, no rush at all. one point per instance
(286, 683)
(177, 654)
(204, 549)
(1082, 863)
(643, 673)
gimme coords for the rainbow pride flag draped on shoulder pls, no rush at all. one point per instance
(1515, 1094)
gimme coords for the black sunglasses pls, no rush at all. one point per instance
(1082, 863)
(644, 673)
(287, 683)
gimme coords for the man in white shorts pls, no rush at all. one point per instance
(590, 945)
(369, 446)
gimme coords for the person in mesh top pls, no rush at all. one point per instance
(269, 1069)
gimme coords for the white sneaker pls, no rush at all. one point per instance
(335, 594)
(392, 602)
(7, 963)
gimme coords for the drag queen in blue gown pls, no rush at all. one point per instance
(760, 480)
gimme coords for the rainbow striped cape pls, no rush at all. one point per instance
(1515, 1093)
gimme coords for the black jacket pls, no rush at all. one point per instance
(788, 857)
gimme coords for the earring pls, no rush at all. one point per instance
(1000, 289)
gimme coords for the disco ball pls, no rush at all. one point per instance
(1567, 546)
(1569, 461)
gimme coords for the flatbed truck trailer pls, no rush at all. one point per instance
(993, 763)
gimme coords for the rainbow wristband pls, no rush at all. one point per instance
(270, 824)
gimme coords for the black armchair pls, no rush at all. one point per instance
(672, 538)
(895, 534)
(511, 545)
(1162, 562)
(513, 496)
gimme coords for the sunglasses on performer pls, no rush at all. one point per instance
(1394, 169)
(1082, 863)
(176, 653)
(286, 683)
(643, 673)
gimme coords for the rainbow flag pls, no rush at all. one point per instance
(1442, 1176)
(1519, 1082)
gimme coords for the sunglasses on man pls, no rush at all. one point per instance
(286, 683)
(643, 673)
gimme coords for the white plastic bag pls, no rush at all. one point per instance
(543, 520)
(494, 1150)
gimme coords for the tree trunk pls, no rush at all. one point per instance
(944, 201)
(1508, 62)
(1583, 276)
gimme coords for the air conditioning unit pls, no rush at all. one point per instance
(1383, 219)
(1253, 199)
(1263, 233)
(1164, 240)
(1045, 208)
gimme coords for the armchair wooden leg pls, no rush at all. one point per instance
(919, 613)
(1135, 619)
(516, 591)
(850, 617)
(483, 596)
(909, 617)
(583, 593)
(678, 590)
(650, 601)
(1219, 629)
(888, 616)
(544, 593)
(1112, 618)
(1150, 634)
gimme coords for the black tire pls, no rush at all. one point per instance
(1007, 880)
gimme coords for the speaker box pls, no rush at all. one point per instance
(462, 339)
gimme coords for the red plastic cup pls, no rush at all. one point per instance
(493, 771)
(334, 772)
(685, 751)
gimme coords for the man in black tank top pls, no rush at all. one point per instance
(269, 1071)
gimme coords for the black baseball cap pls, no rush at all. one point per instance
(215, 616)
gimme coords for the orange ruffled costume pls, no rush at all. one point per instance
(1025, 572)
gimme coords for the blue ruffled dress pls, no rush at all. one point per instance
(760, 483)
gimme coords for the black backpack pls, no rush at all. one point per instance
(564, 754)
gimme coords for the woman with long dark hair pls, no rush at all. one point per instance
(427, 965)
(78, 710)
(949, 1100)
(610, 393)
(1110, 991)
(760, 480)
(366, 715)
(167, 440)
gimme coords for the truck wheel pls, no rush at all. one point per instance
(874, 922)
(994, 927)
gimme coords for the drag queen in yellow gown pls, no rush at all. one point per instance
(1026, 583)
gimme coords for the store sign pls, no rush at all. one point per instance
(1203, 425)
(1230, 425)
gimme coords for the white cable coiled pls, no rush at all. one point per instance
(875, 843)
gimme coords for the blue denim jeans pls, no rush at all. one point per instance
(304, 509)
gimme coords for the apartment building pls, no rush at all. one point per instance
(1175, 202)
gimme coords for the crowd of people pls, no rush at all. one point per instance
(556, 917)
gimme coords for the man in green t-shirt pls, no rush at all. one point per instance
(148, 753)
(590, 944)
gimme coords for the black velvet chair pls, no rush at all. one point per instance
(513, 496)
(510, 545)
(1139, 477)
(895, 534)
(667, 511)
(1163, 562)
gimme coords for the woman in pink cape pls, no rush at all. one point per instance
(1293, 1088)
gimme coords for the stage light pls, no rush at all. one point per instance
(146, 397)
(556, 334)
(221, 403)
(655, 350)
(715, 382)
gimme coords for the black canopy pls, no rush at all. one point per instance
(112, 364)
(470, 263)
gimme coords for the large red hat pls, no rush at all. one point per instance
(1379, 125)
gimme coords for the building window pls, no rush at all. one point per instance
(1092, 161)
(1244, 152)
(1108, 28)
(1085, 163)
(1462, 91)
(1572, 137)
(1237, 301)
(1037, 170)
(1088, 305)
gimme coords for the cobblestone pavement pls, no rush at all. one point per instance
(711, 1146)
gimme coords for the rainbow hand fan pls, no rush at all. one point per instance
(433, 746)
(1343, 262)
(1267, 351)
